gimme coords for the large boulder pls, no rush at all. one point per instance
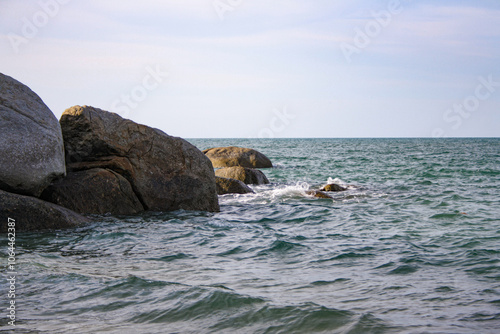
(94, 191)
(33, 214)
(237, 156)
(166, 173)
(31, 150)
(231, 186)
(245, 175)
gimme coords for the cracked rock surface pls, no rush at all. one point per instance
(165, 173)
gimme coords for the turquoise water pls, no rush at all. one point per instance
(412, 247)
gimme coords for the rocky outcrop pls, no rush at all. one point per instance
(165, 173)
(231, 186)
(333, 187)
(94, 191)
(245, 175)
(237, 156)
(31, 150)
(33, 214)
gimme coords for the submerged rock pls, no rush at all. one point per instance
(231, 186)
(245, 175)
(166, 173)
(318, 194)
(237, 156)
(333, 187)
(33, 214)
(31, 150)
(94, 191)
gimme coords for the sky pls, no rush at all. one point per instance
(265, 69)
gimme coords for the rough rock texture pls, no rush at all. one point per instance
(166, 173)
(94, 191)
(33, 214)
(333, 187)
(31, 150)
(231, 186)
(245, 175)
(318, 194)
(237, 156)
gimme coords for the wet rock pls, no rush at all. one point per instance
(333, 187)
(318, 194)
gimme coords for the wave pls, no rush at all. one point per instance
(298, 190)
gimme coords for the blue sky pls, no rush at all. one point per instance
(255, 68)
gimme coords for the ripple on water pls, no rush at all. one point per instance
(394, 253)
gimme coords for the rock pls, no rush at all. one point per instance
(31, 150)
(94, 191)
(33, 214)
(333, 187)
(231, 186)
(237, 156)
(318, 193)
(245, 175)
(166, 173)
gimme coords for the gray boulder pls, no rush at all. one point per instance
(31, 150)
(166, 173)
(245, 175)
(94, 191)
(33, 214)
(231, 186)
(237, 156)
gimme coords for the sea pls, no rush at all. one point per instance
(412, 246)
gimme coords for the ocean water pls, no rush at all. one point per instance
(413, 246)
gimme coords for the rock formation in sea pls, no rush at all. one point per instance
(245, 175)
(231, 186)
(237, 156)
(165, 173)
(31, 150)
(96, 191)
(33, 214)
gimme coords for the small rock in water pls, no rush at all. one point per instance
(333, 187)
(318, 193)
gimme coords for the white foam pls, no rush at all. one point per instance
(294, 190)
(268, 193)
(336, 181)
(340, 182)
